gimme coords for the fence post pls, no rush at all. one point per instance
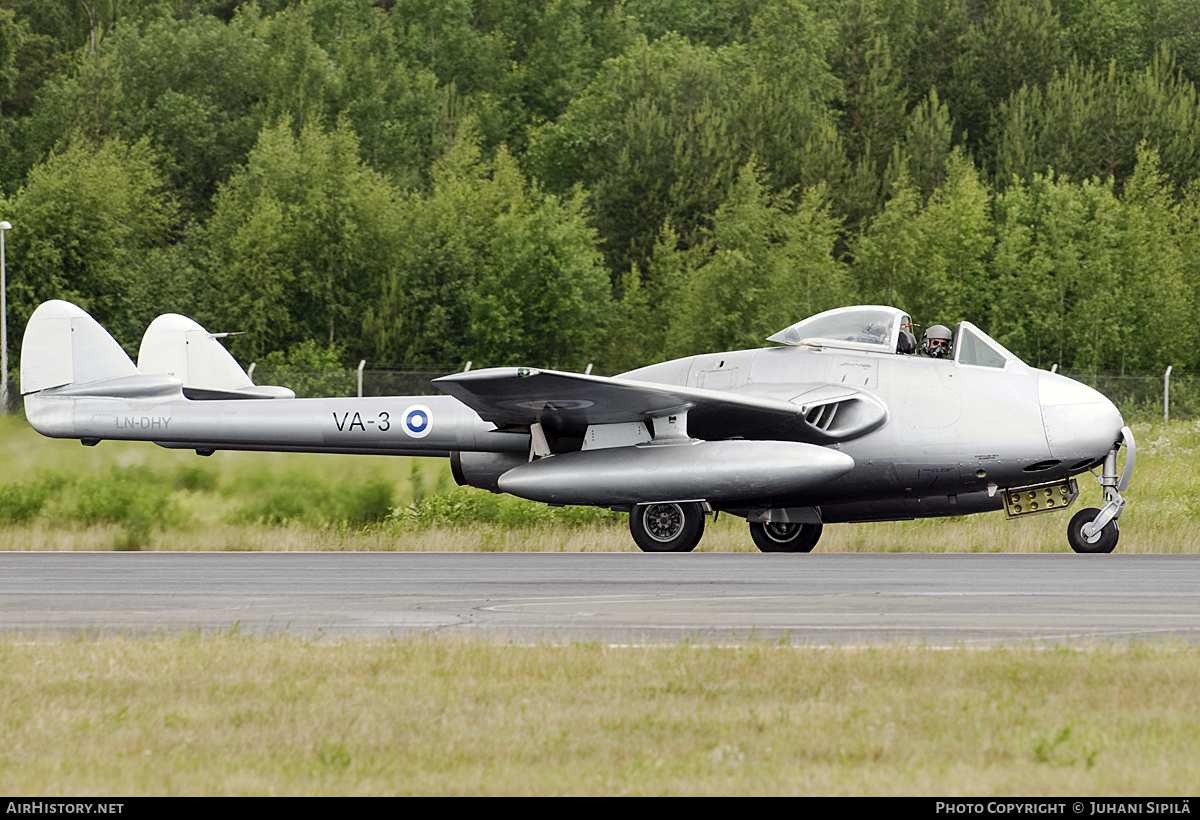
(1167, 394)
(361, 365)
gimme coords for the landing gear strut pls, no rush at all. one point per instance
(1093, 530)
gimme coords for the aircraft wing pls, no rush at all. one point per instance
(566, 403)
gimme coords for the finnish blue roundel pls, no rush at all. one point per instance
(418, 421)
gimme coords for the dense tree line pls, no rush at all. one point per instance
(558, 182)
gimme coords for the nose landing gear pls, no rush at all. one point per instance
(1094, 530)
(1102, 539)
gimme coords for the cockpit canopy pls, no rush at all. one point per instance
(888, 330)
(871, 327)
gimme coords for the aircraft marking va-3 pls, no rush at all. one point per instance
(840, 422)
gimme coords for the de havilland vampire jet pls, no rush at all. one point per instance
(843, 421)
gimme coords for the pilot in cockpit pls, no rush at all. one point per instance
(936, 342)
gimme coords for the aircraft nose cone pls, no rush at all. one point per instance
(1081, 423)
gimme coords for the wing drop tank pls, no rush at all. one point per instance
(693, 470)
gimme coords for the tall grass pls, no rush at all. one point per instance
(118, 495)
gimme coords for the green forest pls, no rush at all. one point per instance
(420, 183)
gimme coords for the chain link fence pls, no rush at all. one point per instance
(313, 383)
(1138, 397)
(376, 381)
(1141, 397)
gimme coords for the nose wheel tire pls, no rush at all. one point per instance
(776, 537)
(1106, 541)
(667, 527)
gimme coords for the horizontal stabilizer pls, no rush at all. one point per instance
(64, 345)
(256, 391)
(125, 387)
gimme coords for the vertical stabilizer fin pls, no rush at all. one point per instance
(177, 346)
(64, 345)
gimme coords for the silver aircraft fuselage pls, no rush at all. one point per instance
(843, 422)
(954, 435)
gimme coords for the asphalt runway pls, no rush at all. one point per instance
(817, 599)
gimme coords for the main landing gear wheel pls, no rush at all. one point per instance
(1103, 541)
(667, 527)
(776, 537)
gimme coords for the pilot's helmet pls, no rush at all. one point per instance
(936, 341)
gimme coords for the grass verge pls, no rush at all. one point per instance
(229, 715)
